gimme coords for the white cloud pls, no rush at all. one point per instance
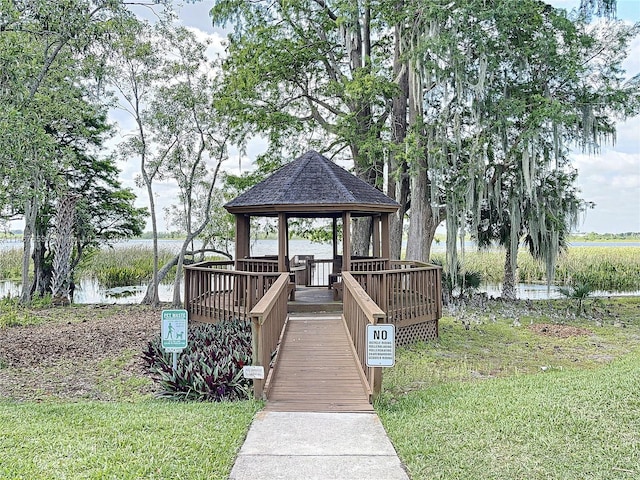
(215, 40)
(612, 181)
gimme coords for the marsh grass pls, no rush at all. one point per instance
(602, 268)
(112, 267)
(501, 401)
(148, 439)
(10, 264)
(123, 266)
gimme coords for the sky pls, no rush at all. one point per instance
(610, 179)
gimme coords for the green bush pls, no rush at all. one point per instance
(12, 314)
(210, 368)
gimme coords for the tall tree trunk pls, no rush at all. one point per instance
(361, 229)
(398, 183)
(422, 228)
(423, 224)
(30, 210)
(41, 270)
(63, 248)
(151, 296)
(509, 283)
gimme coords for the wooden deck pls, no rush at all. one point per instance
(316, 369)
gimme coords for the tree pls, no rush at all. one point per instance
(164, 81)
(182, 111)
(313, 70)
(47, 53)
(561, 86)
(134, 71)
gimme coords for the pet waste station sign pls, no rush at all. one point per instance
(174, 330)
(381, 345)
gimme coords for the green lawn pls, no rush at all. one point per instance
(150, 439)
(493, 398)
(503, 402)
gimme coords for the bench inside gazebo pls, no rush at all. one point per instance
(369, 289)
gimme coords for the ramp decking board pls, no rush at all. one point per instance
(317, 371)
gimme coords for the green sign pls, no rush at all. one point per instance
(174, 330)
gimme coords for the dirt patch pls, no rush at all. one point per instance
(84, 352)
(559, 331)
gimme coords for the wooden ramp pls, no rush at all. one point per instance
(316, 369)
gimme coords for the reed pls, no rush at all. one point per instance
(10, 264)
(602, 268)
(122, 266)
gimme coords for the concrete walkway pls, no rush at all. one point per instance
(317, 446)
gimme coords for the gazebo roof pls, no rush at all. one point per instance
(312, 186)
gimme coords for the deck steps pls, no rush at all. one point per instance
(314, 299)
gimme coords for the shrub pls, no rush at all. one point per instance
(13, 314)
(210, 368)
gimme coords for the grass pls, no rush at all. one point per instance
(114, 382)
(13, 314)
(499, 401)
(152, 439)
(558, 425)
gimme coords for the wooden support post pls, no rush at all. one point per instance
(335, 238)
(188, 274)
(376, 236)
(243, 233)
(283, 242)
(256, 347)
(346, 241)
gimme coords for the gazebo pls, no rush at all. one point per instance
(409, 293)
(313, 187)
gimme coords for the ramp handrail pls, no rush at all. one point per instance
(359, 310)
(267, 321)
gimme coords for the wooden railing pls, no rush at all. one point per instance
(359, 310)
(214, 292)
(318, 271)
(257, 265)
(409, 292)
(267, 322)
(369, 264)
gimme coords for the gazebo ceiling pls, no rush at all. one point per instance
(312, 186)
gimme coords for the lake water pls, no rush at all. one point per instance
(89, 291)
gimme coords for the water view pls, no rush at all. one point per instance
(89, 290)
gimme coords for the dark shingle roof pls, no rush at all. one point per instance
(312, 184)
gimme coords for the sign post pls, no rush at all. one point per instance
(381, 345)
(174, 332)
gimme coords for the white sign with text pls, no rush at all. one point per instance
(381, 345)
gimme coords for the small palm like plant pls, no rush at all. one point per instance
(579, 292)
